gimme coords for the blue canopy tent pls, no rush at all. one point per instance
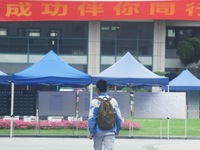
(4, 78)
(183, 82)
(188, 83)
(51, 70)
(128, 71)
(2, 73)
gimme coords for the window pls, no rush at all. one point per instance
(176, 34)
(108, 47)
(75, 30)
(3, 32)
(55, 33)
(124, 46)
(23, 32)
(171, 38)
(171, 33)
(73, 46)
(145, 47)
(33, 32)
(65, 38)
(117, 38)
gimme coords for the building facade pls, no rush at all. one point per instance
(92, 46)
(90, 37)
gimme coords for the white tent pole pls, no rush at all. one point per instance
(12, 109)
(91, 97)
(186, 127)
(91, 92)
(132, 119)
(186, 115)
(168, 116)
(168, 128)
(160, 128)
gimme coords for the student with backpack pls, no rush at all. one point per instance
(105, 120)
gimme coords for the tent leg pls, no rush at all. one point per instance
(168, 128)
(91, 97)
(12, 109)
(186, 124)
(160, 128)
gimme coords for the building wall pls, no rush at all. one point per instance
(18, 49)
(159, 46)
(117, 37)
(94, 48)
(92, 60)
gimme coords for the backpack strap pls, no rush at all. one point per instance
(100, 99)
(109, 98)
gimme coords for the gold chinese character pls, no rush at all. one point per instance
(162, 8)
(191, 7)
(126, 9)
(92, 8)
(20, 9)
(54, 9)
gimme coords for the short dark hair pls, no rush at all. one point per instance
(101, 85)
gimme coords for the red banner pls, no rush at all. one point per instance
(13, 10)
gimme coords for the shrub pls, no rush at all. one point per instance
(45, 124)
(4, 124)
(128, 124)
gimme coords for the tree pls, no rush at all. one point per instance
(189, 51)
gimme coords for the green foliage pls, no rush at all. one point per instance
(161, 73)
(189, 51)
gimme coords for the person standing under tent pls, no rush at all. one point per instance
(103, 137)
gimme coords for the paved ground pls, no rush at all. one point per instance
(40, 143)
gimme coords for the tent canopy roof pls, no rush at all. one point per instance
(2, 73)
(128, 71)
(4, 78)
(52, 70)
(184, 81)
